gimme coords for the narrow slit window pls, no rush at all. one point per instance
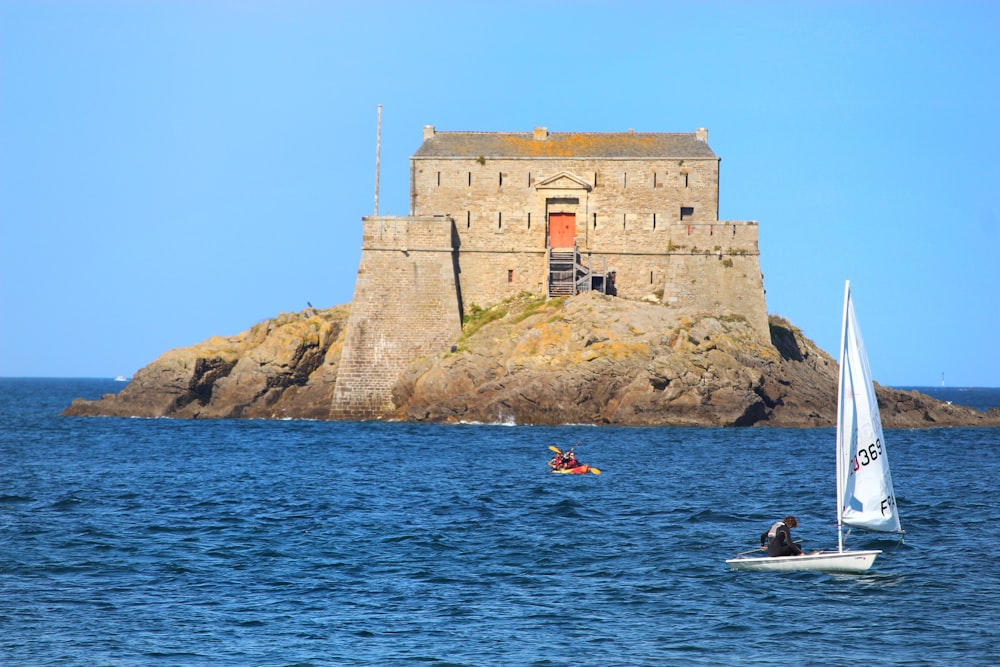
(529, 179)
(650, 277)
(468, 219)
(439, 178)
(595, 221)
(624, 219)
(510, 275)
(470, 179)
(625, 180)
(595, 179)
(654, 221)
(685, 179)
(500, 182)
(529, 220)
(499, 220)
(654, 179)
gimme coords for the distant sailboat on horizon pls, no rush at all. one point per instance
(865, 496)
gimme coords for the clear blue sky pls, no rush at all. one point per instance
(175, 170)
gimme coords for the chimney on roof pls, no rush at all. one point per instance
(701, 134)
(428, 132)
(541, 134)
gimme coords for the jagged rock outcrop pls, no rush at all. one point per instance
(589, 359)
(284, 368)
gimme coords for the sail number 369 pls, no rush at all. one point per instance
(868, 455)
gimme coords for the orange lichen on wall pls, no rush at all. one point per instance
(579, 144)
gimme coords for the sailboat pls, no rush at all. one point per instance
(865, 497)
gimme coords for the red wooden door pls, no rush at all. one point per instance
(562, 230)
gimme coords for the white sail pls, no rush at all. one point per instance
(865, 497)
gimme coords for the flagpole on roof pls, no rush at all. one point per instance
(378, 151)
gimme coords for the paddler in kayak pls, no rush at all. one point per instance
(564, 461)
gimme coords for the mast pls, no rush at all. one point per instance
(841, 472)
(378, 152)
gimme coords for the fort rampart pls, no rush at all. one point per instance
(405, 305)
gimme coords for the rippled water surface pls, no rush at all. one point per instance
(144, 542)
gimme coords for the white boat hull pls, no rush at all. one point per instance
(822, 561)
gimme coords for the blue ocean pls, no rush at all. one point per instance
(171, 542)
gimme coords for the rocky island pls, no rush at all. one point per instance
(652, 309)
(588, 359)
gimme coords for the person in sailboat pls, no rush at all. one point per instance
(778, 538)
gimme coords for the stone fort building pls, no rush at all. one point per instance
(493, 214)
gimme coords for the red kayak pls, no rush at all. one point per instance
(578, 470)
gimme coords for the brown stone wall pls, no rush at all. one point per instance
(628, 220)
(461, 187)
(696, 268)
(488, 277)
(723, 285)
(500, 208)
(405, 306)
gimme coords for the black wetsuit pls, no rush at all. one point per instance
(781, 544)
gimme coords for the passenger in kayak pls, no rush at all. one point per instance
(778, 538)
(564, 461)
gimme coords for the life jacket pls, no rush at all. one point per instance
(773, 532)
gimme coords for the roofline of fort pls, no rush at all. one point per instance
(546, 157)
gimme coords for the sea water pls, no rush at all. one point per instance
(173, 542)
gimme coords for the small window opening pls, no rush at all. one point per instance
(654, 221)
(439, 178)
(624, 219)
(468, 219)
(595, 179)
(595, 221)
(625, 180)
(650, 277)
(501, 179)
(687, 212)
(529, 179)
(654, 179)
(685, 179)
(510, 275)
(499, 220)
(529, 220)
(470, 179)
